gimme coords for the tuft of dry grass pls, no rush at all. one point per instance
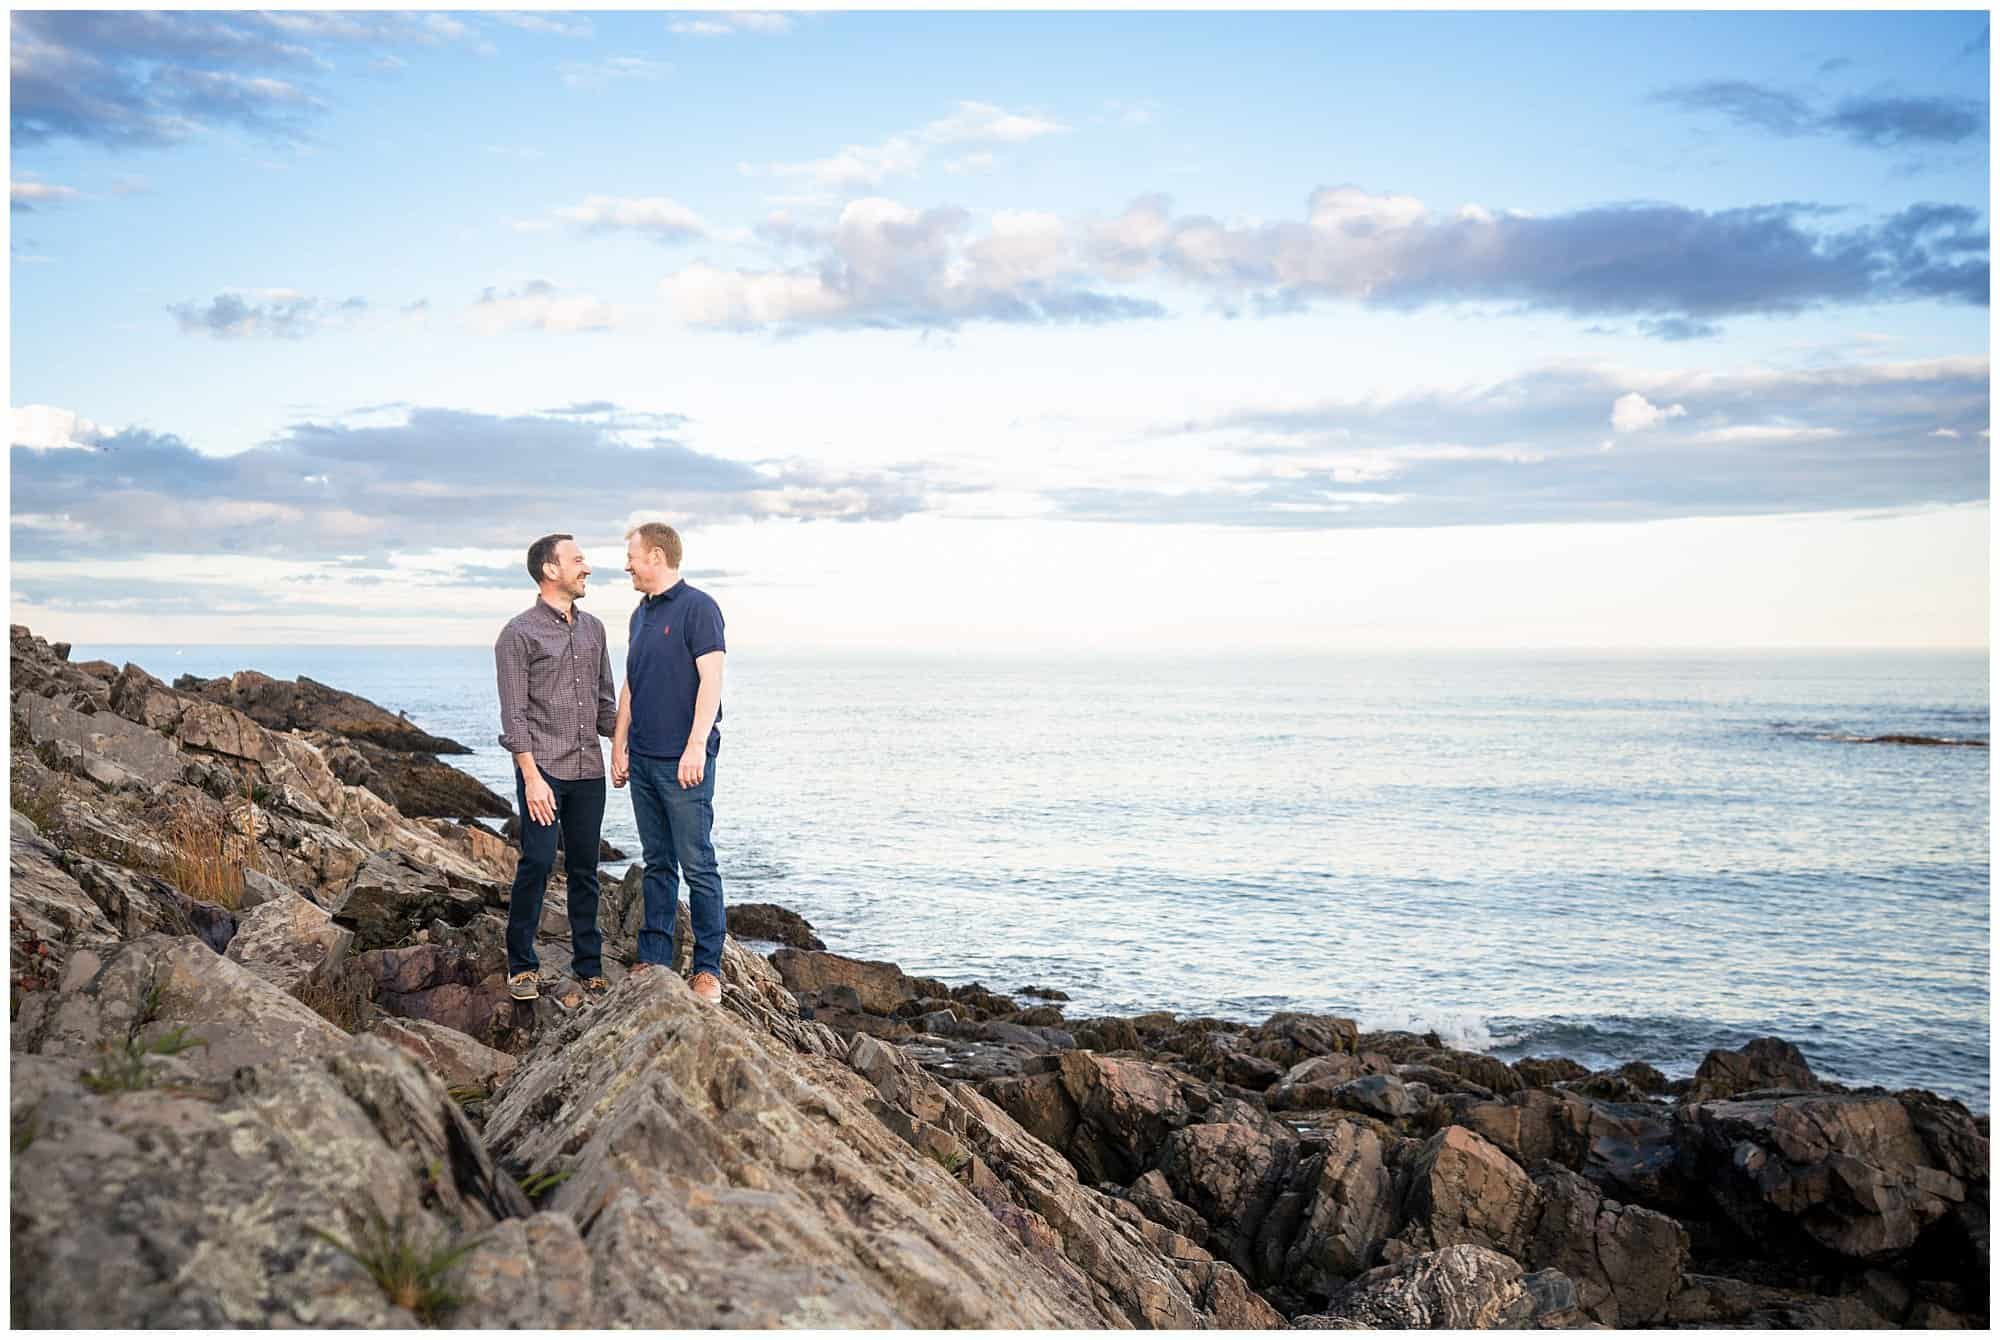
(343, 996)
(40, 800)
(208, 853)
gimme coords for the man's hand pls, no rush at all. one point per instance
(541, 800)
(621, 764)
(694, 762)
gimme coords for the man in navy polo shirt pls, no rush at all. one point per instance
(665, 743)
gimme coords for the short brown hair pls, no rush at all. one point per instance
(659, 535)
(543, 551)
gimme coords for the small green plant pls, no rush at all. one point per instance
(25, 1129)
(542, 1184)
(953, 1162)
(123, 1068)
(411, 1274)
(468, 1093)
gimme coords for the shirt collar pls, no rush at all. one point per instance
(680, 584)
(542, 602)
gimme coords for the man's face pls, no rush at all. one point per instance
(570, 569)
(642, 563)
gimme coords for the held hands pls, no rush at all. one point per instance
(694, 762)
(621, 764)
(541, 800)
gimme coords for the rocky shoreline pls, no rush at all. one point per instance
(265, 1072)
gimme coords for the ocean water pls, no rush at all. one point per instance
(1608, 856)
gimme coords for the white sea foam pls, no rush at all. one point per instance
(1465, 1031)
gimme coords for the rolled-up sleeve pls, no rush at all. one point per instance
(607, 693)
(510, 661)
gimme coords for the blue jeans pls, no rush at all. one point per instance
(674, 827)
(580, 813)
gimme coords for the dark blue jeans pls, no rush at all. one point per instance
(674, 827)
(580, 814)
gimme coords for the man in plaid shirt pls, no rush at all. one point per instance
(556, 699)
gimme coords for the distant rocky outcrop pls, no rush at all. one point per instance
(364, 745)
(262, 1046)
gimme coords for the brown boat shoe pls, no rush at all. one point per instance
(707, 988)
(524, 986)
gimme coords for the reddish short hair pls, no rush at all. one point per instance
(659, 535)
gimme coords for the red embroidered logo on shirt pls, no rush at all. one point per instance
(666, 628)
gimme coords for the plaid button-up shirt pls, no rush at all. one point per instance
(556, 695)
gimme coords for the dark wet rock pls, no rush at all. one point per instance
(1461, 1287)
(768, 921)
(1289, 1037)
(1844, 1173)
(1042, 993)
(1107, 1034)
(1039, 1016)
(1463, 1189)
(1719, 1301)
(1545, 1072)
(1155, 1198)
(422, 787)
(1238, 1179)
(1312, 1083)
(391, 896)
(980, 998)
(511, 832)
(1645, 1078)
(1383, 1096)
(1350, 1209)
(881, 987)
(1625, 1261)
(1763, 1063)
(1125, 1110)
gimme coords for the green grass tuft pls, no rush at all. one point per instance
(542, 1184)
(411, 1274)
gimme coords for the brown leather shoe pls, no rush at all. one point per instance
(707, 988)
(524, 986)
(595, 988)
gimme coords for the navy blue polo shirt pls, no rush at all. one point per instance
(669, 631)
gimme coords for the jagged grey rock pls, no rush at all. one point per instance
(199, 1206)
(286, 940)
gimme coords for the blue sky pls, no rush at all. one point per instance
(1007, 331)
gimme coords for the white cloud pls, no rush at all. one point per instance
(979, 162)
(858, 166)
(1633, 413)
(655, 216)
(579, 74)
(769, 23)
(25, 195)
(48, 428)
(1762, 432)
(540, 305)
(1945, 432)
(574, 26)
